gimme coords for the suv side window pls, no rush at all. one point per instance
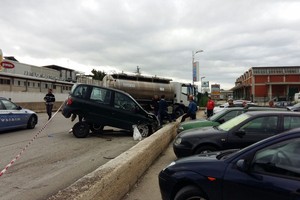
(279, 159)
(124, 102)
(290, 122)
(101, 95)
(80, 91)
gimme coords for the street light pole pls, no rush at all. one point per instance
(193, 58)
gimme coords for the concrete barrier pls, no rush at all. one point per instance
(115, 178)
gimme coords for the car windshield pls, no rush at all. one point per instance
(216, 116)
(233, 122)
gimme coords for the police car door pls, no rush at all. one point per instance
(12, 116)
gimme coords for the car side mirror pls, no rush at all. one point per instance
(19, 108)
(240, 133)
(242, 165)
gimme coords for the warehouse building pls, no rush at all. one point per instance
(260, 84)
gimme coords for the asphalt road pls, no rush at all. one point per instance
(54, 159)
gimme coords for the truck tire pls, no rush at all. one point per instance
(81, 129)
(178, 112)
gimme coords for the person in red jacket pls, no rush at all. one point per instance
(210, 107)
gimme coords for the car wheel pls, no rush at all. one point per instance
(32, 122)
(189, 193)
(96, 128)
(144, 130)
(81, 129)
(205, 149)
(178, 112)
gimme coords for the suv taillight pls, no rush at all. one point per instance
(70, 101)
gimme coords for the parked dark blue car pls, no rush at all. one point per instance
(269, 169)
(13, 116)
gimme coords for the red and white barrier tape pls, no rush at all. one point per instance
(30, 142)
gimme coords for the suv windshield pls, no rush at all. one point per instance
(233, 122)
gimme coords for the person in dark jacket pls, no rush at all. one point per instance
(49, 99)
(163, 110)
(192, 109)
(155, 105)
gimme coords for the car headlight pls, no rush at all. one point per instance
(180, 129)
(171, 164)
(178, 141)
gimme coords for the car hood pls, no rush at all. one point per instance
(204, 164)
(192, 122)
(199, 132)
(27, 111)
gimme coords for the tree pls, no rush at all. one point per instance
(98, 75)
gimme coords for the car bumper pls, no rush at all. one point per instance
(182, 151)
(66, 112)
(165, 185)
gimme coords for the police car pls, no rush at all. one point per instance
(13, 116)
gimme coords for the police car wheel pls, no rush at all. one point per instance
(32, 122)
(81, 129)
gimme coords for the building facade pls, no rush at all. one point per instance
(260, 84)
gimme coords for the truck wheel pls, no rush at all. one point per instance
(81, 129)
(144, 130)
(178, 112)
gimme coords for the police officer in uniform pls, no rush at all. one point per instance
(49, 99)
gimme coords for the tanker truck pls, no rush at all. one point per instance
(143, 88)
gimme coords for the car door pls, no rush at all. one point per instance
(290, 122)
(252, 131)
(274, 173)
(12, 116)
(125, 111)
(99, 106)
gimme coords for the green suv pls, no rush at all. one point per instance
(221, 117)
(100, 106)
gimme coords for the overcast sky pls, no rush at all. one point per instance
(159, 36)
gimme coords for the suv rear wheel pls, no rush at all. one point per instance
(81, 129)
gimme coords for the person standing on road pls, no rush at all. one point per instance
(49, 99)
(192, 109)
(230, 103)
(210, 107)
(163, 110)
(271, 104)
(155, 105)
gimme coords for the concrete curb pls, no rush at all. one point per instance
(114, 179)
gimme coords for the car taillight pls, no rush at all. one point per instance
(70, 101)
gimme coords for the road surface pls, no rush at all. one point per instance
(55, 159)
